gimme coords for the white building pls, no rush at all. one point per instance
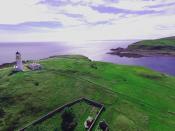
(19, 64)
(34, 66)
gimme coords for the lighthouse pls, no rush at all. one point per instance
(19, 64)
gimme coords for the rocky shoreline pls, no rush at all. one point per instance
(137, 53)
(147, 48)
(122, 52)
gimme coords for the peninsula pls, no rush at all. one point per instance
(146, 48)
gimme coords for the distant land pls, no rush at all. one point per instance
(145, 48)
(135, 98)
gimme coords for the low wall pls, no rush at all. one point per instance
(57, 110)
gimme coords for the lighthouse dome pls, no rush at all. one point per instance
(17, 52)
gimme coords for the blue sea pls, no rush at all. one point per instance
(95, 50)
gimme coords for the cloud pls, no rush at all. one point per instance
(46, 24)
(54, 2)
(26, 26)
(166, 27)
(86, 19)
(162, 5)
(58, 3)
(73, 15)
(114, 10)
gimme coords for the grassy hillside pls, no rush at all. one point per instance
(159, 44)
(135, 98)
(145, 48)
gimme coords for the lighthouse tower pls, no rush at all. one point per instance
(19, 64)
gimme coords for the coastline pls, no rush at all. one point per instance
(148, 48)
(4, 65)
(11, 64)
(138, 53)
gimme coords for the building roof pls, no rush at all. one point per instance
(34, 66)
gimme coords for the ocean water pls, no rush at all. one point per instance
(95, 50)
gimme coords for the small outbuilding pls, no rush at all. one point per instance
(103, 126)
(88, 122)
(34, 66)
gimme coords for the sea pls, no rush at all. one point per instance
(95, 50)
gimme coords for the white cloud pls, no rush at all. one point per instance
(18, 11)
(81, 22)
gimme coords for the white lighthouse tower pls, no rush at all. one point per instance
(19, 64)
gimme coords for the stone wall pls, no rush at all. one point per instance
(59, 109)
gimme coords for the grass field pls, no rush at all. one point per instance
(135, 98)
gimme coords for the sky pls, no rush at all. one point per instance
(74, 20)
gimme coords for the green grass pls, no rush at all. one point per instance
(159, 44)
(81, 110)
(135, 98)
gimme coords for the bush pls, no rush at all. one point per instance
(68, 120)
(2, 112)
(36, 83)
(93, 65)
